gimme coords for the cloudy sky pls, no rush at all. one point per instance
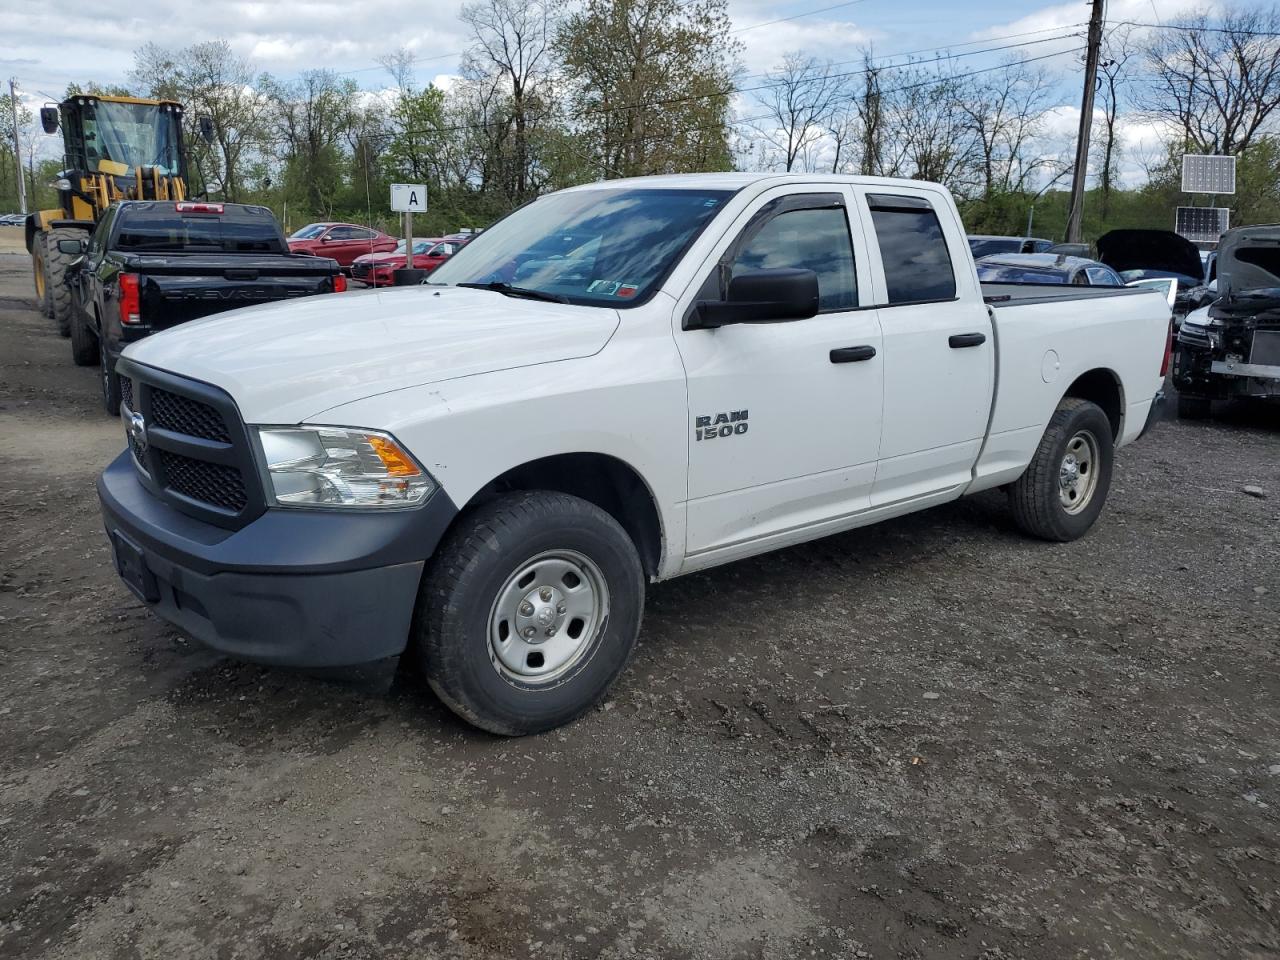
(285, 37)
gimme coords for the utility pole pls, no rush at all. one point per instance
(17, 146)
(1081, 172)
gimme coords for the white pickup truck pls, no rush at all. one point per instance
(616, 384)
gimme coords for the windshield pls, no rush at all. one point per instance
(135, 134)
(990, 245)
(602, 247)
(310, 231)
(157, 229)
(1005, 273)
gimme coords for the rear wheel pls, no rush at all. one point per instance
(1194, 408)
(60, 299)
(529, 612)
(1064, 488)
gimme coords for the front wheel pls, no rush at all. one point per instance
(61, 301)
(110, 380)
(1064, 488)
(529, 612)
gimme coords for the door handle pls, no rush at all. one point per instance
(959, 340)
(852, 354)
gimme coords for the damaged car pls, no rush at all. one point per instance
(1142, 255)
(1231, 348)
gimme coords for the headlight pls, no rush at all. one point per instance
(341, 467)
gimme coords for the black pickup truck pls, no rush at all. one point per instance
(150, 265)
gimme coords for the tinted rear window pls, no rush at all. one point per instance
(917, 266)
(155, 231)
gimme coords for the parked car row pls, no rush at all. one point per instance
(378, 269)
(11, 219)
(1156, 258)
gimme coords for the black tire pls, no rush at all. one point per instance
(40, 273)
(110, 381)
(1194, 408)
(462, 589)
(60, 299)
(84, 342)
(1037, 496)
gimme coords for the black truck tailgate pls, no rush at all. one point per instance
(181, 287)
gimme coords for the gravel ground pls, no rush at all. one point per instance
(932, 738)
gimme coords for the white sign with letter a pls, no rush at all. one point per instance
(409, 197)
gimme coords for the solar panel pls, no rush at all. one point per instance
(1202, 224)
(1202, 173)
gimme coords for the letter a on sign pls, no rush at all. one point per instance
(409, 197)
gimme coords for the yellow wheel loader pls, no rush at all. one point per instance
(114, 148)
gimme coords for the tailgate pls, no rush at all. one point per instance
(177, 289)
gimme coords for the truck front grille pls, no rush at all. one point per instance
(207, 482)
(184, 415)
(191, 446)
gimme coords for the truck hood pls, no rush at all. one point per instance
(287, 362)
(1150, 250)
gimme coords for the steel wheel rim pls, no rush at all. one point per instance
(545, 617)
(1078, 472)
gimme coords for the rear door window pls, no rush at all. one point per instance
(913, 249)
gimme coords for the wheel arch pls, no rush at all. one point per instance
(610, 483)
(1102, 386)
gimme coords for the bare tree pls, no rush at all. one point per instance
(871, 115)
(800, 100)
(212, 81)
(1115, 76)
(926, 108)
(1216, 83)
(1006, 111)
(511, 48)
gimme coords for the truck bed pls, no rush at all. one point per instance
(1013, 294)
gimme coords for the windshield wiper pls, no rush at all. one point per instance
(507, 290)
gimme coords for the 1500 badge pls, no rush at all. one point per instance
(733, 423)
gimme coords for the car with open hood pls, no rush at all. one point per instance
(1231, 348)
(1158, 255)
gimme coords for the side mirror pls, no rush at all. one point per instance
(49, 119)
(73, 247)
(761, 296)
(326, 239)
(205, 126)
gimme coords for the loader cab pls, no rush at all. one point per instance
(120, 139)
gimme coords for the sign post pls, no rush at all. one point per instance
(409, 198)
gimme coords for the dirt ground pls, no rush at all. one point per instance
(933, 738)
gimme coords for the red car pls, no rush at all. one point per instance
(340, 241)
(377, 269)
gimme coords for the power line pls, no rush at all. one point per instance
(1199, 28)
(798, 16)
(941, 56)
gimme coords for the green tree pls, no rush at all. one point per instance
(650, 83)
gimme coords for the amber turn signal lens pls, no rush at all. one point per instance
(393, 458)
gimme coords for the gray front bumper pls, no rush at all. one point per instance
(294, 587)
